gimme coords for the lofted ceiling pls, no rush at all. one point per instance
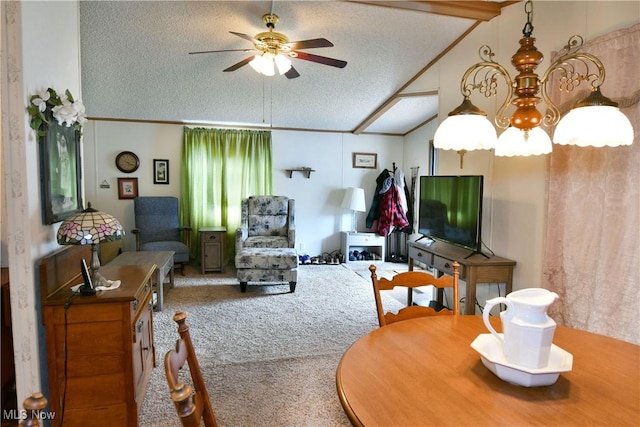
(136, 63)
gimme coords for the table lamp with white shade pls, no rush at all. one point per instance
(354, 201)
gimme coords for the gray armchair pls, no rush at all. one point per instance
(158, 228)
(266, 222)
(266, 240)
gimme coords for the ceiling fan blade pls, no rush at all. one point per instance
(292, 73)
(244, 36)
(321, 59)
(224, 50)
(309, 44)
(239, 64)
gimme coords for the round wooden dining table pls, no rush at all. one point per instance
(424, 372)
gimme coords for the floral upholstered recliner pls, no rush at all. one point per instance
(267, 222)
(266, 240)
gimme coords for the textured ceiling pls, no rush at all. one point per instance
(136, 66)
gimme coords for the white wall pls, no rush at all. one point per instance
(104, 140)
(319, 218)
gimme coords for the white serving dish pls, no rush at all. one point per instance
(493, 358)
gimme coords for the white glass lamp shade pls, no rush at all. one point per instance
(516, 142)
(596, 126)
(465, 132)
(263, 64)
(282, 63)
(256, 63)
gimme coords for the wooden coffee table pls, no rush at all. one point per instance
(164, 265)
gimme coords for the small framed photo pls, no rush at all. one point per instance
(160, 171)
(127, 188)
(365, 160)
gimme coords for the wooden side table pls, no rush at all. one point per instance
(212, 248)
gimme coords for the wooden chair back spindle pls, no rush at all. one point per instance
(194, 404)
(33, 404)
(411, 280)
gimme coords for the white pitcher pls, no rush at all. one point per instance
(527, 329)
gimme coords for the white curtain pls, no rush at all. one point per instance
(592, 237)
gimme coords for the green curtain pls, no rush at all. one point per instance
(220, 167)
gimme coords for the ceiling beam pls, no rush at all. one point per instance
(392, 100)
(476, 10)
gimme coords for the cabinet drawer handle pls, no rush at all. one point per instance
(447, 265)
(212, 236)
(135, 305)
(420, 254)
(139, 326)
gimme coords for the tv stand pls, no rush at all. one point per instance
(473, 270)
(475, 253)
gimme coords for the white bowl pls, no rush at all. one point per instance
(493, 358)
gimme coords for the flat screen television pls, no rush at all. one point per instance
(450, 210)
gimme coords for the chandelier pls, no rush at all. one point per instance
(594, 121)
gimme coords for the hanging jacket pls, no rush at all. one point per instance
(375, 209)
(392, 214)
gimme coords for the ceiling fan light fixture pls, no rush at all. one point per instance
(263, 64)
(275, 50)
(282, 63)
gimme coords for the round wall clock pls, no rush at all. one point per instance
(127, 162)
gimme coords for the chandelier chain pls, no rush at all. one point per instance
(528, 27)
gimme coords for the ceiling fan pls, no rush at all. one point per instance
(274, 50)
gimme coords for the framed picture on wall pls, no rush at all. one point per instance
(60, 172)
(365, 160)
(127, 188)
(160, 171)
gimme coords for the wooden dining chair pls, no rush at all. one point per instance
(192, 405)
(33, 405)
(411, 280)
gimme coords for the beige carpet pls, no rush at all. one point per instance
(389, 269)
(269, 357)
(383, 269)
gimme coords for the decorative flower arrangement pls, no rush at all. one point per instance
(48, 105)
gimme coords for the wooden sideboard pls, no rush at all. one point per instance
(473, 269)
(100, 350)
